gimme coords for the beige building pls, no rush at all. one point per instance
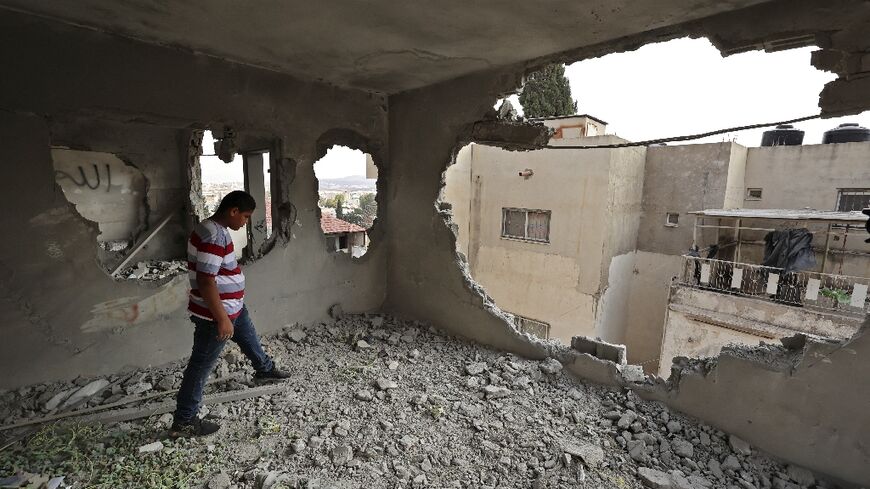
(588, 241)
(541, 229)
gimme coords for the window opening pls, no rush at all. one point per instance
(219, 179)
(347, 197)
(753, 194)
(672, 219)
(526, 224)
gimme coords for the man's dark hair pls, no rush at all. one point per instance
(237, 199)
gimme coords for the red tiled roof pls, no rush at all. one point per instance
(333, 225)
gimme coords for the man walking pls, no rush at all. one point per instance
(217, 310)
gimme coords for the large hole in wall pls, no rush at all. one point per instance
(592, 241)
(347, 197)
(113, 194)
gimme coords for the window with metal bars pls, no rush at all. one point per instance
(526, 224)
(853, 199)
(532, 326)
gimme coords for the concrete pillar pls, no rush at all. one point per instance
(255, 185)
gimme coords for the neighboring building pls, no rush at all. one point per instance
(733, 299)
(587, 241)
(540, 229)
(343, 236)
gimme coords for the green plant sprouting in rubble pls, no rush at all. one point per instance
(839, 296)
(94, 457)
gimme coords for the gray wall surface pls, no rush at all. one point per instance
(89, 90)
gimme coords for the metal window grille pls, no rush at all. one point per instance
(532, 327)
(753, 194)
(527, 224)
(672, 219)
(853, 199)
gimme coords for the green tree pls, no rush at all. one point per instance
(365, 214)
(338, 204)
(547, 93)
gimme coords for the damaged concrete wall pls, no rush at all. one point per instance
(158, 154)
(806, 405)
(593, 197)
(63, 314)
(425, 277)
(700, 322)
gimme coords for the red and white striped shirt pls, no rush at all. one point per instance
(210, 251)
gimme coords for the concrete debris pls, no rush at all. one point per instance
(296, 336)
(550, 366)
(739, 445)
(476, 368)
(138, 388)
(336, 311)
(154, 270)
(348, 424)
(85, 392)
(220, 481)
(800, 475)
(151, 447)
(386, 384)
(364, 395)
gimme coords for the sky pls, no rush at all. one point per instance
(686, 87)
(674, 88)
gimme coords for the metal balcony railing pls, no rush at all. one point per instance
(841, 293)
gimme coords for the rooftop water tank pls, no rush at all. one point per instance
(783, 135)
(849, 132)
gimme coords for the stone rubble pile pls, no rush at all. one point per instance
(152, 270)
(379, 402)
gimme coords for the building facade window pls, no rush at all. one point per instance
(532, 326)
(672, 219)
(853, 199)
(526, 224)
(753, 194)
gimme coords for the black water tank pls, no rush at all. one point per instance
(783, 135)
(849, 132)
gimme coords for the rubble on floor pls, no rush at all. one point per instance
(154, 270)
(409, 408)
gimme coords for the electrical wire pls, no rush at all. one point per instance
(688, 137)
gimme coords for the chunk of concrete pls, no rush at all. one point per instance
(86, 392)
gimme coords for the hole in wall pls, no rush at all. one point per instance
(112, 193)
(347, 197)
(615, 199)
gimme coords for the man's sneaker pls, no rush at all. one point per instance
(273, 375)
(197, 427)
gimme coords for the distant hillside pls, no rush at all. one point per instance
(352, 182)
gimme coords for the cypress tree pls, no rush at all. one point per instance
(547, 93)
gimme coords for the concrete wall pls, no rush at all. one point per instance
(682, 179)
(63, 315)
(794, 177)
(159, 156)
(426, 278)
(457, 191)
(103, 189)
(700, 322)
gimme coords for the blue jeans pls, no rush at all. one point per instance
(206, 350)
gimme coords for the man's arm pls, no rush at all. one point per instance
(208, 290)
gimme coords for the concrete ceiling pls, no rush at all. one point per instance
(380, 45)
